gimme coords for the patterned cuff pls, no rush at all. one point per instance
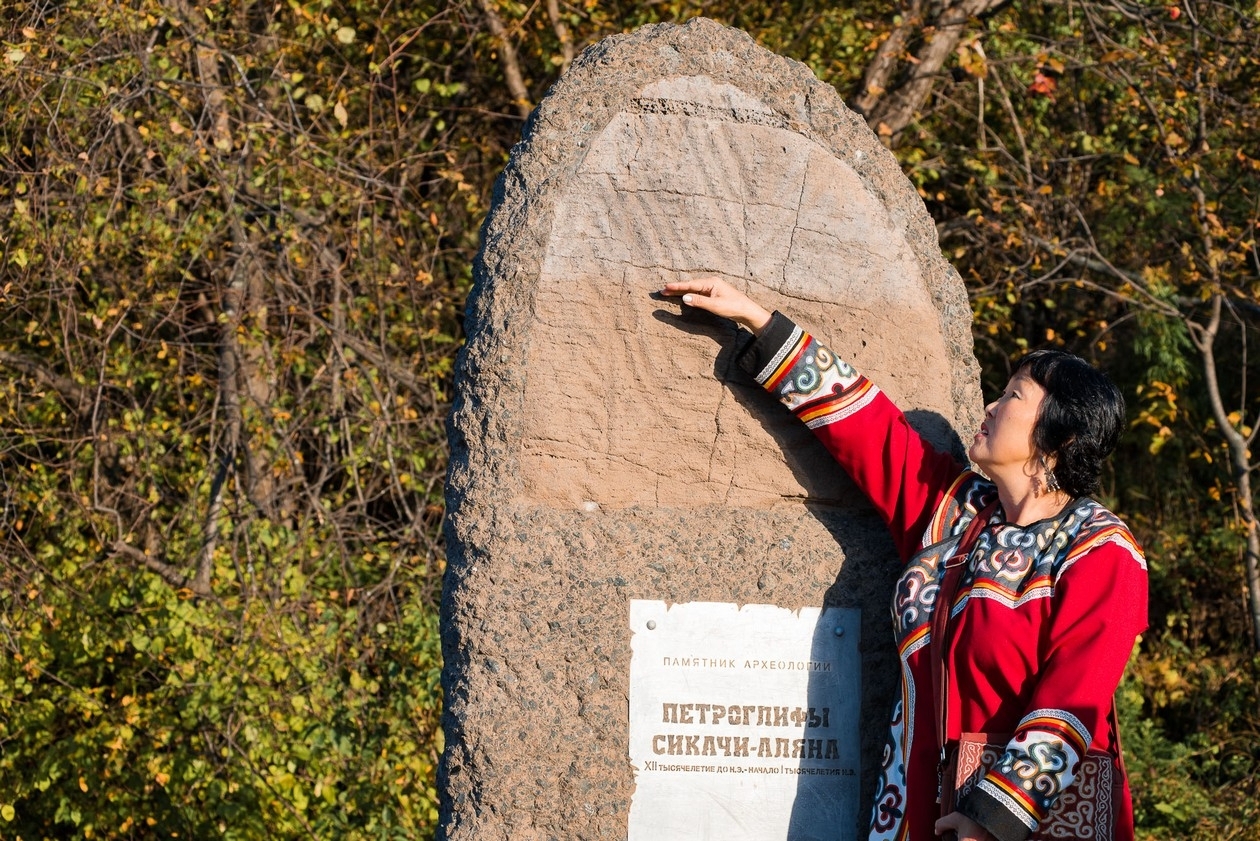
(808, 378)
(995, 816)
(776, 339)
(1039, 763)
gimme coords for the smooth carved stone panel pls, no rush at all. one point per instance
(697, 179)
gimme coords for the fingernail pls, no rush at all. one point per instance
(686, 299)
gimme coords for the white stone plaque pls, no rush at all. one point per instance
(744, 722)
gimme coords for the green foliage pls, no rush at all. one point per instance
(1163, 344)
(140, 711)
(1192, 779)
(230, 313)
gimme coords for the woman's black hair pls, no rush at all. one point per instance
(1080, 419)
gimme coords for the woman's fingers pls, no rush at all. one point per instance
(699, 284)
(720, 298)
(959, 826)
(709, 294)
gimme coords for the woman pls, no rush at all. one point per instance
(1052, 597)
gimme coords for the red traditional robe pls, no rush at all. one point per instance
(1044, 619)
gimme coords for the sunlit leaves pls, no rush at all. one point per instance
(1112, 183)
(141, 183)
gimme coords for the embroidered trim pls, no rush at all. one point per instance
(955, 505)
(788, 347)
(1012, 805)
(1117, 535)
(1054, 720)
(839, 412)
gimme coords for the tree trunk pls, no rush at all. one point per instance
(1204, 338)
(890, 106)
(508, 58)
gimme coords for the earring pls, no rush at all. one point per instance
(1052, 481)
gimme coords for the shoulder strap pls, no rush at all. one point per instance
(951, 575)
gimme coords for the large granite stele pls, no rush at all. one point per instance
(605, 450)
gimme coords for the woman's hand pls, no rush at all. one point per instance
(720, 298)
(962, 828)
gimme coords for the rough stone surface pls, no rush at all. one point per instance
(604, 449)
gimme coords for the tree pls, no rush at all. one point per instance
(1144, 197)
(230, 315)
(901, 75)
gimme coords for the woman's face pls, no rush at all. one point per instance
(1004, 445)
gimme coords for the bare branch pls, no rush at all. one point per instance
(1093, 260)
(1009, 107)
(78, 397)
(507, 58)
(893, 112)
(567, 52)
(881, 69)
(379, 360)
(165, 571)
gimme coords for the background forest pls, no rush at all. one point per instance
(235, 239)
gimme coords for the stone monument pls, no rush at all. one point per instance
(611, 465)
